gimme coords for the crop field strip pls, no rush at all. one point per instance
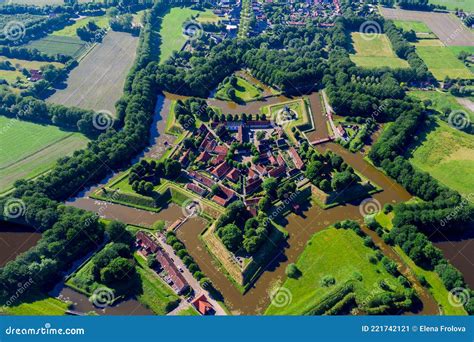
(29, 149)
(450, 30)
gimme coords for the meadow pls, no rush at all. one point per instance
(447, 154)
(322, 258)
(70, 31)
(36, 305)
(172, 37)
(28, 149)
(375, 52)
(442, 62)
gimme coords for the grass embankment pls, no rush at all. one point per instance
(351, 269)
(375, 52)
(28, 149)
(36, 305)
(244, 91)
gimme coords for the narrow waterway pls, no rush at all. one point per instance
(14, 240)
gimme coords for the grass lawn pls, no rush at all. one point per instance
(208, 17)
(466, 5)
(70, 31)
(155, 295)
(52, 45)
(36, 305)
(190, 311)
(244, 91)
(28, 149)
(385, 220)
(376, 52)
(448, 155)
(323, 257)
(172, 37)
(436, 286)
(442, 62)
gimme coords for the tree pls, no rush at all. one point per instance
(119, 269)
(265, 204)
(270, 186)
(325, 185)
(117, 232)
(292, 271)
(231, 237)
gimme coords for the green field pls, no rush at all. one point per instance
(208, 17)
(466, 5)
(417, 26)
(244, 91)
(441, 100)
(448, 155)
(323, 257)
(442, 62)
(172, 37)
(28, 149)
(52, 45)
(375, 52)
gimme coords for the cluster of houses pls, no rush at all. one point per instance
(148, 245)
(213, 177)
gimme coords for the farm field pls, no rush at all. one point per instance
(466, 5)
(52, 45)
(375, 53)
(29, 149)
(172, 37)
(448, 155)
(26, 19)
(321, 258)
(442, 62)
(97, 83)
(417, 26)
(443, 25)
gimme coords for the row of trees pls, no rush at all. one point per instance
(38, 111)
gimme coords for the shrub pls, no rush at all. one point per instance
(327, 281)
(292, 271)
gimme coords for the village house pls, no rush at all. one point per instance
(203, 306)
(296, 158)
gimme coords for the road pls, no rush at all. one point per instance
(329, 113)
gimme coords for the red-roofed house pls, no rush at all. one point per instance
(196, 188)
(296, 158)
(278, 171)
(146, 242)
(221, 170)
(201, 179)
(178, 283)
(233, 175)
(253, 185)
(217, 160)
(203, 306)
(203, 157)
(221, 149)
